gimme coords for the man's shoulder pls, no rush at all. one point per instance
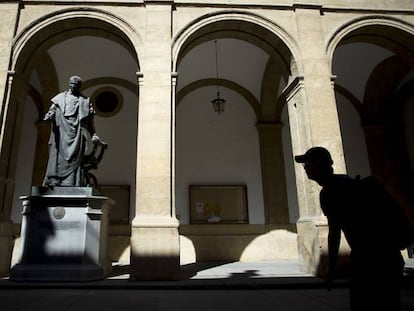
(342, 178)
(338, 183)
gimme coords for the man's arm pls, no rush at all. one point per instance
(334, 240)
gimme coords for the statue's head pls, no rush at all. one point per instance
(75, 83)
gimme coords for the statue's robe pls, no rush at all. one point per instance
(68, 139)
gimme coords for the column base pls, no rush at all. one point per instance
(313, 248)
(155, 249)
(312, 245)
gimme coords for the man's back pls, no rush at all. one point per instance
(341, 205)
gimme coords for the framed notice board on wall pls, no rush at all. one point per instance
(218, 204)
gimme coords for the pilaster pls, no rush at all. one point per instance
(274, 181)
(9, 13)
(8, 18)
(314, 121)
(155, 251)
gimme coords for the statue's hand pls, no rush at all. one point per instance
(95, 139)
(98, 142)
(50, 115)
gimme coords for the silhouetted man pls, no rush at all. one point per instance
(376, 266)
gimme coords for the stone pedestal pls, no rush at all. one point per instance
(63, 235)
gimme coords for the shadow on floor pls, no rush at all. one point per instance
(186, 271)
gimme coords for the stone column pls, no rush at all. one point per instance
(273, 176)
(314, 121)
(8, 18)
(155, 251)
(6, 185)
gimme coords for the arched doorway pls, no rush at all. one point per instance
(101, 50)
(242, 146)
(374, 67)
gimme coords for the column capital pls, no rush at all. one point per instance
(162, 2)
(140, 78)
(153, 221)
(174, 77)
(10, 76)
(292, 88)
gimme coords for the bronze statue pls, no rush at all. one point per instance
(72, 126)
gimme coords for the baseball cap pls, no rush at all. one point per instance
(315, 154)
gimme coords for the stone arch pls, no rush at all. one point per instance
(377, 26)
(272, 102)
(246, 94)
(382, 120)
(378, 101)
(108, 80)
(203, 29)
(53, 28)
(45, 31)
(283, 51)
(378, 108)
(29, 47)
(384, 31)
